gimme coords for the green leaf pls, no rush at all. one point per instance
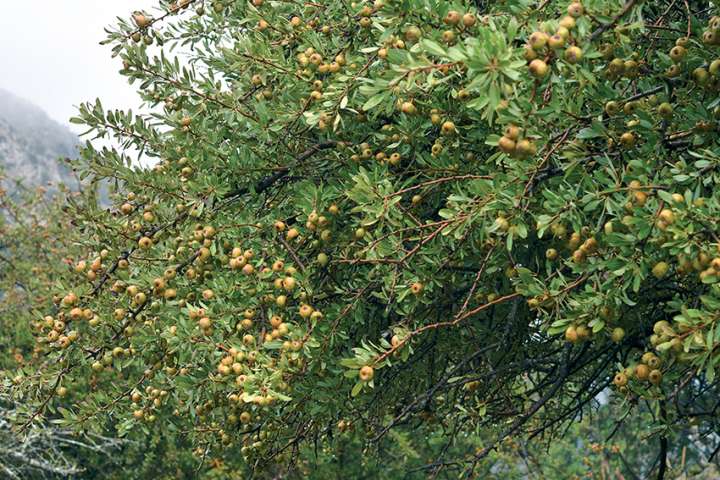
(357, 389)
(433, 48)
(374, 101)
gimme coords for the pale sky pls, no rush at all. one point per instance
(50, 53)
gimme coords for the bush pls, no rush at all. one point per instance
(430, 225)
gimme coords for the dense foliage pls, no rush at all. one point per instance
(393, 235)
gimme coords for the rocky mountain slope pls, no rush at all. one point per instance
(31, 144)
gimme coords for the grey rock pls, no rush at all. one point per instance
(32, 145)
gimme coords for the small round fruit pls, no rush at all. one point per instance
(408, 108)
(575, 9)
(205, 323)
(612, 108)
(141, 20)
(413, 34)
(538, 68)
(568, 22)
(667, 215)
(126, 208)
(512, 132)
(529, 53)
(617, 335)
(642, 371)
(654, 362)
(627, 139)
(573, 55)
(620, 380)
(583, 332)
(468, 20)
(507, 145)
(660, 270)
(453, 17)
(571, 334)
(538, 40)
(673, 71)
(525, 148)
(665, 110)
(322, 259)
(714, 68)
(448, 128)
(677, 53)
(710, 37)
(556, 41)
(366, 373)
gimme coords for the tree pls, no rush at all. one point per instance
(43, 451)
(410, 224)
(32, 249)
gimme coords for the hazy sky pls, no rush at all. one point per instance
(50, 53)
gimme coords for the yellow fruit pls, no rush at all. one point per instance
(447, 128)
(568, 22)
(677, 53)
(667, 216)
(141, 20)
(366, 373)
(573, 54)
(642, 371)
(452, 18)
(538, 40)
(507, 145)
(538, 68)
(660, 270)
(126, 208)
(627, 139)
(502, 224)
(575, 9)
(571, 334)
(248, 269)
(512, 132)
(288, 283)
(408, 108)
(655, 377)
(556, 41)
(525, 148)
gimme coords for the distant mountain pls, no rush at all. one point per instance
(31, 144)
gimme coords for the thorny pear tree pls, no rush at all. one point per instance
(374, 217)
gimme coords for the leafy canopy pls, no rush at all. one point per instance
(414, 222)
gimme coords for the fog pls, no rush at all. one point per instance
(50, 53)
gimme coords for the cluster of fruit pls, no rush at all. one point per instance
(647, 370)
(542, 45)
(459, 21)
(512, 144)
